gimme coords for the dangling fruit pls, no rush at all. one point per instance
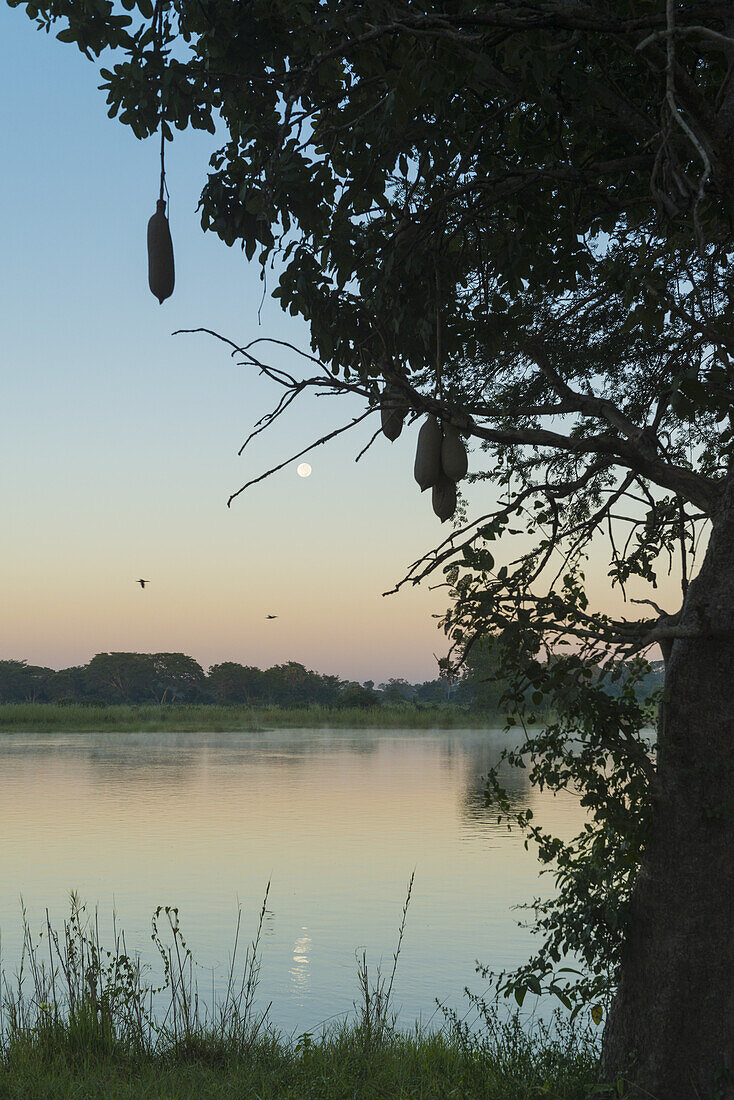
(427, 467)
(454, 461)
(161, 275)
(444, 497)
(392, 412)
(392, 423)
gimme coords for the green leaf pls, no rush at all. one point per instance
(534, 985)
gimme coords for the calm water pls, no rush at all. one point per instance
(336, 820)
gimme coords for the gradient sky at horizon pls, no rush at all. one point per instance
(118, 441)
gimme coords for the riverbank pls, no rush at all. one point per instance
(339, 1066)
(81, 1018)
(185, 718)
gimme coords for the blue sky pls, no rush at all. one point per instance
(119, 442)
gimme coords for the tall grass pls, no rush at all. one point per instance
(81, 1019)
(72, 992)
(50, 717)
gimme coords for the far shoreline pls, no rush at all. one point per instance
(215, 718)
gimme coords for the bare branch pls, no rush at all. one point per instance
(653, 605)
(264, 422)
(368, 445)
(587, 403)
(311, 447)
(695, 30)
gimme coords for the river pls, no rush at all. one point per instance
(335, 820)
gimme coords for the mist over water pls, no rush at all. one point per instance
(335, 820)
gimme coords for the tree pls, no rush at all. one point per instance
(361, 696)
(123, 677)
(179, 677)
(481, 685)
(68, 684)
(430, 692)
(519, 217)
(21, 682)
(291, 684)
(233, 683)
(397, 691)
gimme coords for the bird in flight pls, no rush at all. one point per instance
(271, 616)
(141, 582)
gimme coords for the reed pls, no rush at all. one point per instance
(157, 717)
(83, 1019)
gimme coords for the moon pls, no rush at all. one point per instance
(303, 469)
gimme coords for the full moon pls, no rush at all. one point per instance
(303, 470)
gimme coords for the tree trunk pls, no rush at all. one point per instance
(670, 1033)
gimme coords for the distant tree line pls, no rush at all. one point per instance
(175, 677)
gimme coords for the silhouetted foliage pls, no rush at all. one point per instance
(175, 677)
(359, 695)
(21, 682)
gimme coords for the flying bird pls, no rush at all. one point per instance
(141, 582)
(271, 616)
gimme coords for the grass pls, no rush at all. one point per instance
(155, 717)
(77, 1022)
(333, 1067)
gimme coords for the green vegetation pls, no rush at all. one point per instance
(170, 691)
(335, 1066)
(176, 677)
(163, 689)
(77, 1021)
(47, 717)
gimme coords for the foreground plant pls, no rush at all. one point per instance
(70, 990)
(80, 1018)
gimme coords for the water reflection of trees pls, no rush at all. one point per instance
(177, 759)
(174, 758)
(480, 755)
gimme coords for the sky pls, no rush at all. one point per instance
(119, 441)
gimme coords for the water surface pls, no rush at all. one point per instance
(336, 820)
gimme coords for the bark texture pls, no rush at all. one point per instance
(670, 1032)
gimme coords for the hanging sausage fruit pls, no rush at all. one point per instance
(161, 273)
(444, 497)
(454, 461)
(440, 459)
(393, 411)
(427, 469)
(454, 466)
